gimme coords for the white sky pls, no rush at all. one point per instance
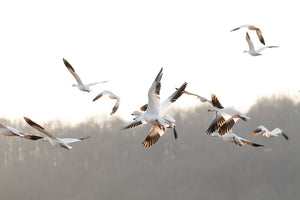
(127, 42)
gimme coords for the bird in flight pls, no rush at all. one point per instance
(225, 118)
(79, 85)
(232, 137)
(252, 51)
(155, 132)
(151, 116)
(251, 27)
(274, 133)
(112, 96)
(55, 141)
(9, 131)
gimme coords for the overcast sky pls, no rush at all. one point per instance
(127, 42)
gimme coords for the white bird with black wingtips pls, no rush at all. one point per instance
(9, 131)
(232, 137)
(112, 96)
(55, 141)
(79, 85)
(253, 28)
(151, 116)
(265, 132)
(252, 51)
(225, 118)
(155, 132)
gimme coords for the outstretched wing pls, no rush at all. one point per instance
(154, 95)
(72, 71)
(5, 130)
(91, 84)
(243, 26)
(265, 47)
(215, 102)
(112, 96)
(227, 125)
(251, 143)
(153, 136)
(134, 124)
(260, 37)
(72, 140)
(166, 104)
(9, 130)
(250, 44)
(258, 130)
(217, 122)
(39, 128)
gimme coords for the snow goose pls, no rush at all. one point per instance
(79, 85)
(151, 114)
(9, 131)
(232, 137)
(274, 133)
(55, 141)
(155, 132)
(112, 96)
(225, 119)
(253, 28)
(252, 51)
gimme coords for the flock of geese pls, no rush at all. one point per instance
(155, 114)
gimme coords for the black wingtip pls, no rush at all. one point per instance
(83, 138)
(35, 137)
(133, 125)
(234, 29)
(68, 65)
(257, 145)
(97, 97)
(114, 110)
(32, 123)
(247, 35)
(159, 75)
(179, 92)
(285, 136)
(175, 133)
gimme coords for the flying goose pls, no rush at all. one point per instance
(9, 131)
(250, 27)
(225, 119)
(231, 137)
(155, 132)
(55, 141)
(274, 133)
(254, 52)
(79, 85)
(151, 114)
(112, 96)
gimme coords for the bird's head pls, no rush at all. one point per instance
(46, 139)
(136, 113)
(213, 109)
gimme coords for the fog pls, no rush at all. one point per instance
(113, 164)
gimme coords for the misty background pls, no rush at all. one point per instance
(113, 164)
